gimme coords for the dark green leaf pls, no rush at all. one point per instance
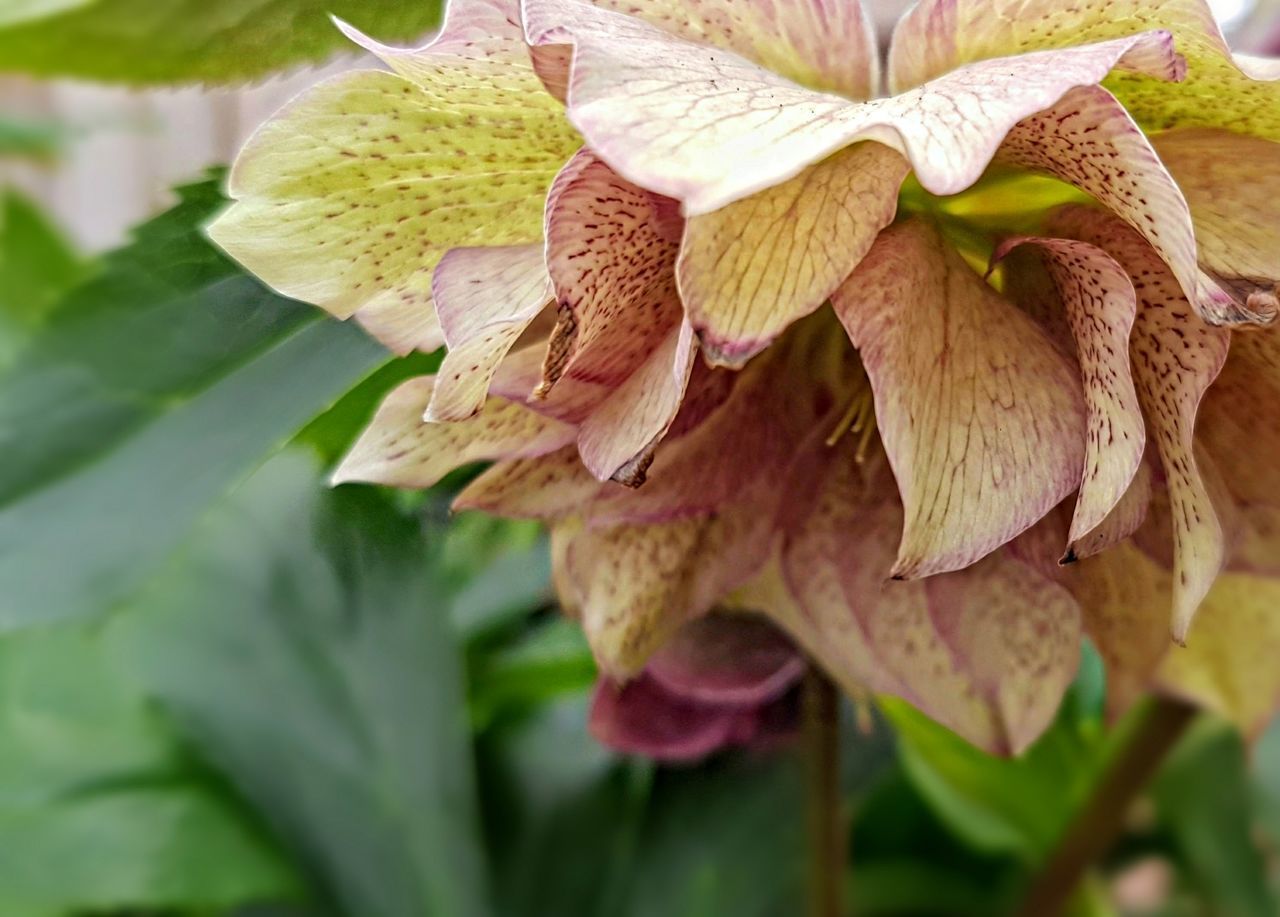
(303, 640)
(184, 41)
(149, 392)
(98, 805)
(37, 265)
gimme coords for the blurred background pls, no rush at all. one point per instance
(226, 689)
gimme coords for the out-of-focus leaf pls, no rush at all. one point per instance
(37, 265)
(553, 659)
(507, 588)
(332, 433)
(1015, 805)
(906, 862)
(302, 640)
(1009, 805)
(99, 808)
(151, 389)
(578, 831)
(1202, 796)
(1266, 782)
(185, 41)
(16, 11)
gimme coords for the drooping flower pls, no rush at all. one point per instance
(717, 310)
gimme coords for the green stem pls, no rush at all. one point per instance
(1141, 744)
(827, 840)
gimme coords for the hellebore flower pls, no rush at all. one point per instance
(721, 320)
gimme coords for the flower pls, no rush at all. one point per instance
(721, 320)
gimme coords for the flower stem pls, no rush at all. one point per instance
(1143, 740)
(827, 850)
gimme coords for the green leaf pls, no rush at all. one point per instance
(184, 41)
(99, 807)
(37, 266)
(1008, 805)
(302, 640)
(1202, 795)
(151, 389)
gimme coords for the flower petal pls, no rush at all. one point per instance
(750, 269)
(709, 127)
(1099, 303)
(1239, 421)
(642, 718)
(350, 195)
(938, 35)
(1175, 359)
(485, 298)
(819, 44)
(1232, 183)
(545, 487)
(618, 440)
(981, 415)
(401, 450)
(987, 651)
(636, 585)
(1089, 140)
(738, 660)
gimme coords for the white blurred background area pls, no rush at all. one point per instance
(118, 152)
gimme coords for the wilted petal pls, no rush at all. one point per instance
(400, 449)
(1220, 90)
(750, 269)
(1089, 140)
(987, 651)
(1175, 359)
(728, 659)
(1099, 303)
(710, 127)
(485, 298)
(349, 196)
(981, 415)
(1232, 183)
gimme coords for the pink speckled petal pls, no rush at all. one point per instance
(750, 269)
(987, 651)
(1221, 90)
(1089, 140)
(402, 450)
(635, 585)
(546, 487)
(485, 298)
(710, 127)
(1100, 304)
(350, 195)
(823, 44)
(1175, 359)
(1232, 183)
(981, 415)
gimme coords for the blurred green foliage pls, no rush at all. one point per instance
(187, 41)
